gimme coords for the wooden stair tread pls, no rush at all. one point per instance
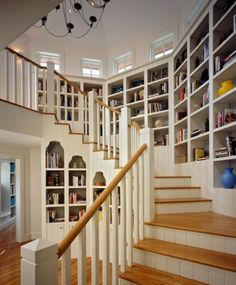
(173, 176)
(143, 275)
(203, 222)
(181, 200)
(194, 254)
(177, 187)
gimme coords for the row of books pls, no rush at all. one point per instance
(181, 135)
(75, 198)
(157, 106)
(159, 74)
(182, 93)
(54, 160)
(205, 97)
(79, 180)
(199, 154)
(54, 179)
(225, 116)
(180, 78)
(55, 198)
(137, 96)
(51, 217)
(76, 217)
(162, 140)
(160, 89)
(229, 148)
(222, 61)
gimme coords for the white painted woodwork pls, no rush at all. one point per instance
(92, 116)
(136, 201)
(22, 83)
(115, 247)
(177, 193)
(171, 208)
(65, 267)
(146, 136)
(39, 263)
(141, 198)
(51, 87)
(82, 258)
(129, 216)
(14, 78)
(44, 91)
(29, 85)
(95, 250)
(35, 90)
(169, 181)
(106, 241)
(6, 75)
(123, 225)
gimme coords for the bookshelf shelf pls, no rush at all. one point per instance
(201, 137)
(182, 67)
(228, 97)
(225, 128)
(159, 113)
(180, 85)
(137, 88)
(200, 110)
(226, 45)
(181, 122)
(197, 71)
(181, 104)
(226, 158)
(158, 81)
(222, 19)
(226, 72)
(157, 96)
(203, 41)
(181, 143)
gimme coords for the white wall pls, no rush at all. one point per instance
(21, 45)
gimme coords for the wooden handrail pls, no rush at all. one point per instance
(25, 58)
(74, 232)
(136, 125)
(107, 106)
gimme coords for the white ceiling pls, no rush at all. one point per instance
(18, 139)
(123, 20)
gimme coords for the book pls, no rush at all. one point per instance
(198, 153)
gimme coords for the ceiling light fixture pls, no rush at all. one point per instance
(71, 10)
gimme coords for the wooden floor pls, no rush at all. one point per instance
(205, 222)
(194, 254)
(10, 261)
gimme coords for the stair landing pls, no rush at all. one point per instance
(204, 222)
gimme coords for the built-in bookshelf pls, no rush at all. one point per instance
(224, 88)
(55, 183)
(146, 92)
(13, 188)
(77, 194)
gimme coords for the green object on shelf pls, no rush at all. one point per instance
(225, 87)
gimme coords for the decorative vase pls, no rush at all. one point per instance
(228, 178)
(225, 87)
(99, 179)
(158, 123)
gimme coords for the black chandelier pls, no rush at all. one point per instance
(71, 10)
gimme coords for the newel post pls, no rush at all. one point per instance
(92, 105)
(39, 263)
(146, 136)
(50, 87)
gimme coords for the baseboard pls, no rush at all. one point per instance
(36, 235)
(7, 223)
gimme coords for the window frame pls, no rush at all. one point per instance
(48, 55)
(123, 59)
(92, 64)
(161, 43)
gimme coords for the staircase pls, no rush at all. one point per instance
(187, 243)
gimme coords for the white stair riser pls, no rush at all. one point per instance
(186, 193)
(192, 270)
(165, 182)
(206, 241)
(172, 208)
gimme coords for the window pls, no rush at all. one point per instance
(44, 57)
(122, 63)
(91, 67)
(162, 47)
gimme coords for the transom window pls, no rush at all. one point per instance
(44, 57)
(91, 67)
(122, 63)
(162, 47)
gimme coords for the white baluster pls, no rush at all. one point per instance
(44, 91)
(36, 93)
(123, 225)
(72, 104)
(136, 202)
(92, 116)
(114, 134)
(6, 74)
(103, 128)
(65, 267)
(22, 83)
(114, 237)
(95, 249)
(29, 83)
(141, 198)
(86, 116)
(14, 78)
(106, 241)
(81, 113)
(82, 257)
(129, 216)
(108, 124)
(58, 111)
(98, 126)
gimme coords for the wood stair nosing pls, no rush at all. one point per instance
(142, 275)
(207, 257)
(176, 187)
(181, 200)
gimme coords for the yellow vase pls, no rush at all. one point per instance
(225, 87)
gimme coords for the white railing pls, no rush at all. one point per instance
(27, 84)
